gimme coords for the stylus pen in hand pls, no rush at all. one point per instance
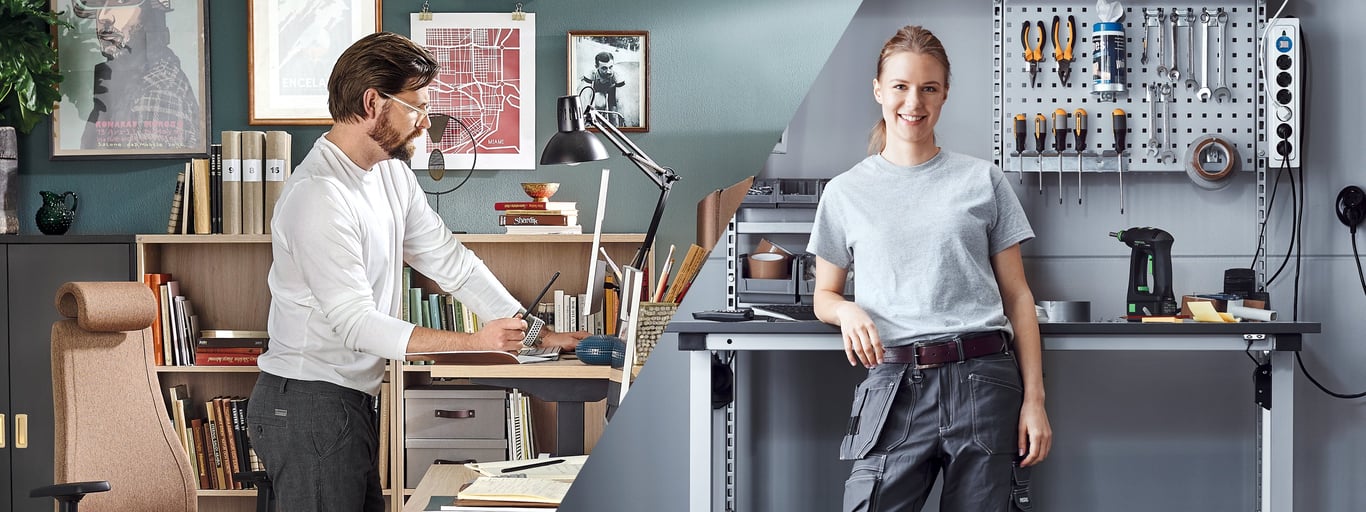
(515, 469)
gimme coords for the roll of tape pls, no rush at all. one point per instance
(1210, 161)
(1260, 315)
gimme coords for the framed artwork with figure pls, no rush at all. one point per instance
(135, 79)
(291, 47)
(611, 69)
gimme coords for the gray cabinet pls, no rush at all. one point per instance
(34, 266)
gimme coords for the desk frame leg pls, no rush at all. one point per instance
(699, 431)
(1278, 437)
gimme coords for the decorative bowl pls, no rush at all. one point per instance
(540, 192)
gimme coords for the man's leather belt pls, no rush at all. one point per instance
(930, 354)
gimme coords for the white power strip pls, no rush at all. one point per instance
(1284, 86)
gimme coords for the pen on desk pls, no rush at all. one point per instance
(515, 469)
(615, 269)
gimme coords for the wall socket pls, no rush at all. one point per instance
(1284, 62)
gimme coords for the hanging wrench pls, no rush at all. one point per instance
(1161, 27)
(1146, 17)
(1166, 156)
(1152, 118)
(1174, 73)
(1204, 92)
(1221, 92)
(1191, 82)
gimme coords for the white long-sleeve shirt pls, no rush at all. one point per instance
(339, 238)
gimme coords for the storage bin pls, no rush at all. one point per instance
(455, 412)
(421, 453)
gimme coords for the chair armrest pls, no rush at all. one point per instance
(68, 490)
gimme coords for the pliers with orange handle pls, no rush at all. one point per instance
(1033, 55)
(1061, 53)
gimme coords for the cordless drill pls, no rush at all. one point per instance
(1150, 253)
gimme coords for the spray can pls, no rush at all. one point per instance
(1109, 71)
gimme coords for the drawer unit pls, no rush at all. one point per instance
(422, 453)
(455, 412)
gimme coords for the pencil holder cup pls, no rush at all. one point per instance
(654, 316)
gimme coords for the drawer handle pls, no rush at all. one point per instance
(455, 414)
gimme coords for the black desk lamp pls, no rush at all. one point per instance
(573, 144)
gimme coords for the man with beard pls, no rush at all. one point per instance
(143, 100)
(348, 218)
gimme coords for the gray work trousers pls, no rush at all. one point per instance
(319, 443)
(908, 425)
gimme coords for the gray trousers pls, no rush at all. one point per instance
(909, 425)
(319, 443)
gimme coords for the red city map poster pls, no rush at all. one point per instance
(486, 88)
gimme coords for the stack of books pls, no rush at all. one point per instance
(539, 218)
(233, 191)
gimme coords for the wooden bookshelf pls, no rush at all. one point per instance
(225, 278)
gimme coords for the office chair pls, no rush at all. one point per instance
(112, 431)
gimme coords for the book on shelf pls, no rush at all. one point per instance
(277, 170)
(177, 202)
(253, 184)
(202, 358)
(535, 205)
(200, 442)
(541, 212)
(154, 281)
(186, 219)
(232, 182)
(544, 230)
(203, 210)
(216, 188)
(537, 220)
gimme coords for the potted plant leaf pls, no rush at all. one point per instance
(28, 63)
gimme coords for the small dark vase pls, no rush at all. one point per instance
(55, 217)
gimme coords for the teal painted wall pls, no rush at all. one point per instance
(725, 77)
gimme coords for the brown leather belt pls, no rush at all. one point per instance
(933, 353)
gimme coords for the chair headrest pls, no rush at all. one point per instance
(108, 306)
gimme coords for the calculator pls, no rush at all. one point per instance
(725, 315)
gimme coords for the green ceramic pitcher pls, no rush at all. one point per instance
(55, 217)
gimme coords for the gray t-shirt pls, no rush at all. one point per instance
(922, 237)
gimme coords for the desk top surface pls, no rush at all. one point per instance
(561, 369)
(1046, 329)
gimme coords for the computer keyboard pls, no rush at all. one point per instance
(793, 312)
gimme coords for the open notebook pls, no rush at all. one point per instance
(525, 355)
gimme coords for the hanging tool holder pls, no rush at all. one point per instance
(1159, 132)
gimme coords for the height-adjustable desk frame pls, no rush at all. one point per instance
(1274, 342)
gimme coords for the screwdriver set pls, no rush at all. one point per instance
(1190, 73)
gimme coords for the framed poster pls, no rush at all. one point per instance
(612, 70)
(291, 48)
(135, 80)
(486, 90)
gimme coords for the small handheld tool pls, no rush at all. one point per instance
(1033, 54)
(1079, 133)
(1039, 122)
(1119, 125)
(1060, 142)
(1063, 53)
(1020, 128)
(1150, 256)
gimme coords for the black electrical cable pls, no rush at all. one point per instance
(1294, 223)
(474, 151)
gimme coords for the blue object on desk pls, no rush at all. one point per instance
(598, 349)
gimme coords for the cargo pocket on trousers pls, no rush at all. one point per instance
(872, 401)
(996, 398)
(1019, 489)
(861, 489)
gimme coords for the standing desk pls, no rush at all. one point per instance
(1277, 341)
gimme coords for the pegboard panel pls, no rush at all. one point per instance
(1175, 124)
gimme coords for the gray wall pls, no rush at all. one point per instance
(1133, 431)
